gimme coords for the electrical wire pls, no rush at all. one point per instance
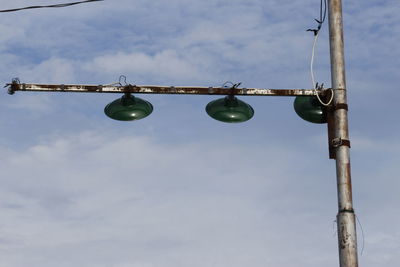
(363, 236)
(315, 85)
(312, 61)
(49, 6)
(320, 21)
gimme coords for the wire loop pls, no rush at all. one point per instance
(319, 88)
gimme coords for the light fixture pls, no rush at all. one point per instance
(128, 108)
(229, 109)
(310, 109)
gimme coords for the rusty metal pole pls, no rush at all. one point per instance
(346, 221)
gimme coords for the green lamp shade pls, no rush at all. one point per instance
(310, 109)
(128, 108)
(229, 109)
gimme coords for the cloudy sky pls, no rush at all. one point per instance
(179, 189)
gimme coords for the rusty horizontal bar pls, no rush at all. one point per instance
(153, 89)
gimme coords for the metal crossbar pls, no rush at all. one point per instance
(153, 89)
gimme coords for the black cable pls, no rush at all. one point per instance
(322, 16)
(49, 6)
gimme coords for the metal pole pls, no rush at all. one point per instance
(346, 221)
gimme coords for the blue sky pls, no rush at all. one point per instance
(178, 188)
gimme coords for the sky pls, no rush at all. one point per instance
(178, 188)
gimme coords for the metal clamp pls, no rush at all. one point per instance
(346, 211)
(11, 90)
(337, 142)
(13, 86)
(128, 88)
(341, 106)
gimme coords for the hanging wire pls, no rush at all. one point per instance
(334, 225)
(320, 21)
(49, 6)
(322, 17)
(121, 82)
(362, 232)
(312, 60)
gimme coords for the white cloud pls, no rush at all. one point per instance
(53, 70)
(165, 64)
(8, 33)
(99, 196)
(31, 103)
(107, 199)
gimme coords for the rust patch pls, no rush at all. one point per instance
(348, 181)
